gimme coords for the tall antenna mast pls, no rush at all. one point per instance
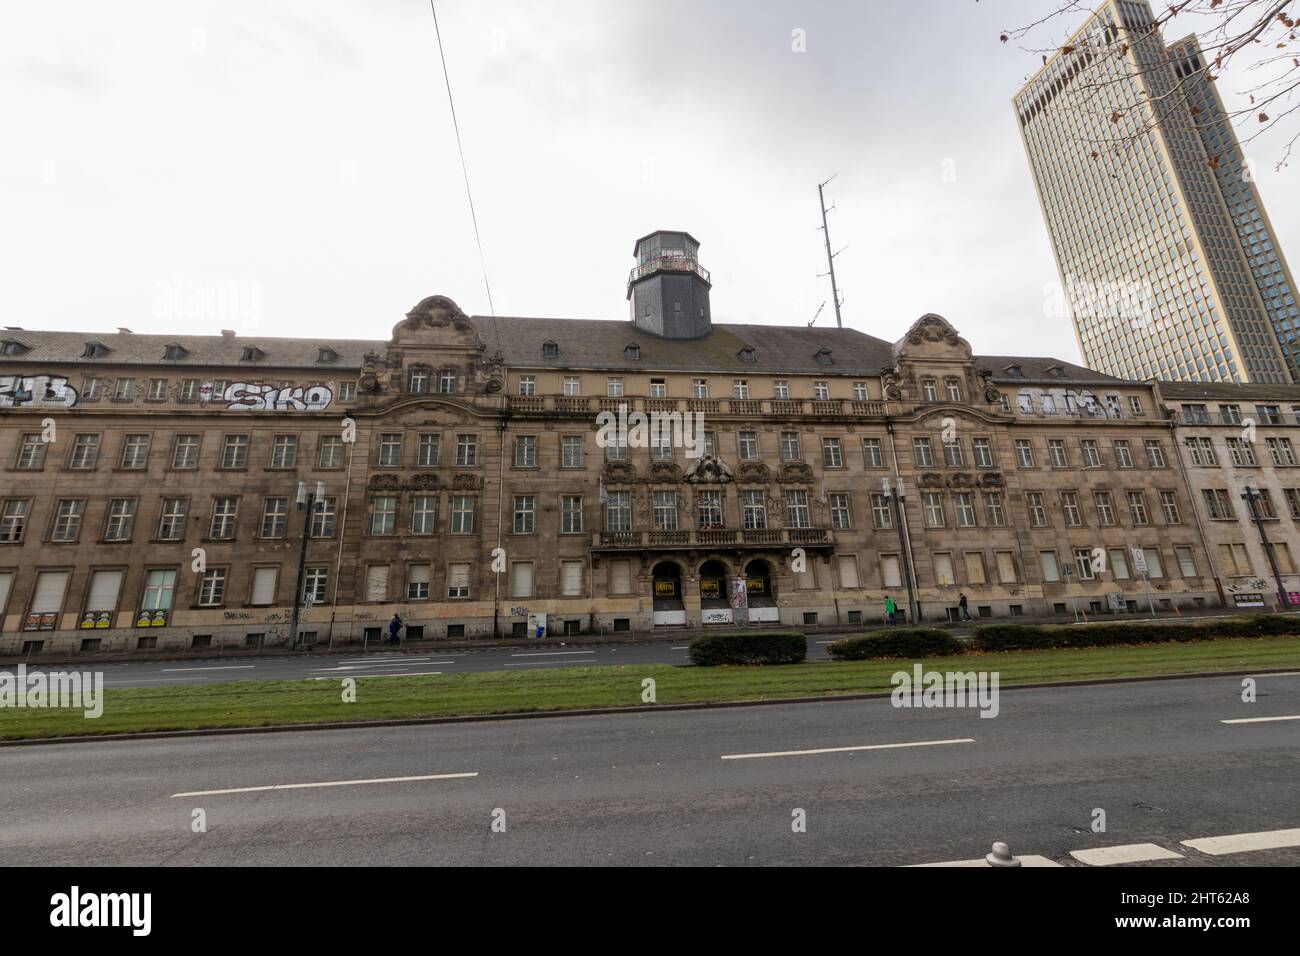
(830, 256)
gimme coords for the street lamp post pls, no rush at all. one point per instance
(1252, 497)
(898, 499)
(308, 502)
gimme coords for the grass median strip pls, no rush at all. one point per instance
(271, 703)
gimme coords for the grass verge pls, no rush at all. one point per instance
(270, 703)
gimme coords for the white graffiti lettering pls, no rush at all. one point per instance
(40, 391)
(241, 396)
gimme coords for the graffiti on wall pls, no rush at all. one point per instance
(1056, 401)
(246, 396)
(42, 391)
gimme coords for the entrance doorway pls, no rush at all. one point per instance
(666, 586)
(715, 598)
(762, 599)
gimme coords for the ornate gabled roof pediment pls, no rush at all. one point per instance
(437, 320)
(932, 336)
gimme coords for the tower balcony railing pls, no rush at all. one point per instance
(668, 263)
(744, 407)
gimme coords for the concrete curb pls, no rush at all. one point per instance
(597, 711)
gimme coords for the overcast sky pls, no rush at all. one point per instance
(295, 161)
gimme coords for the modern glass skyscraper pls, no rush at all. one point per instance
(1140, 204)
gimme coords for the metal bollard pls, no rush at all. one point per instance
(1001, 856)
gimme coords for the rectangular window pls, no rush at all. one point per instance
(571, 451)
(881, 513)
(417, 582)
(1047, 562)
(821, 392)
(943, 576)
(1070, 508)
(848, 566)
(1154, 568)
(466, 450)
(665, 510)
(1091, 456)
(1025, 453)
(932, 503)
(994, 511)
(952, 455)
(521, 579)
(781, 389)
(1155, 452)
(871, 457)
(983, 453)
(121, 519)
(570, 514)
(426, 452)
(963, 503)
(383, 515)
(263, 590)
(841, 514)
(572, 386)
(1083, 564)
(85, 452)
(1240, 452)
(620, 576)
(331, 451)
(234, 454)
(747, 445)
(377, 582)
(1123, 456)
(314, 585)
(224, 511)
(658, 388)
(125, 390)
(525, 451)
(527, 385)
(860, 392)
(185, 451)
(390, 449)
(31, 453)
(922, 452)
(135, 451)
(1200, 451)
(1037, 512)
(462, 514)
(1218, 505)
(754, 505)
(1137, 508)
(525, 514)
(159, 588)
(1119, 564)
(1006, 567)
(618, 511)
(447, 382)
(1105, 508)
(171, 523)
(699, 388)
(284, 451)
(275, 517)
(614, 387)
(424, 514)
(1186, 562)
(458, 580)
(571, 578)
(708, 508)
(322, 519)
(1169, 505)
(1279, 450)
(212, 588)
(13, 519)
(790, 446)
(67, 520)
(1057, 453)
(740, 388)
(189, 390)
(891, 574)
(831, 453)
(975, 571)
(796, 510)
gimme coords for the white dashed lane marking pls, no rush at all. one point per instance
(1128, 853)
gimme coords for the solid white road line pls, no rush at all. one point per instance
(550, 653)
(1259, 720)
(840, 750)
(1028, 860)
(1128, 853)
(374, 676)
(545, 664)
(1245, 842)
(389, 659)
(362, 667)
(149, 680)
(684, 647)
(222, 667)
(327, 783)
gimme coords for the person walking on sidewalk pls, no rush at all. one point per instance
(965, 611)
(891, 611)
(394, 626)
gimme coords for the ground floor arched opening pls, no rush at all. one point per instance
(666, 589)
(760, 593)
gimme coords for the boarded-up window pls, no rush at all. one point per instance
(975, 567)
(943, 575)
(1047, 561)
(521, 579)
(1154, 568)
(891, 574)
(377, 582)
(806, 580)
(104, 589)
(264, 586)
(48, 597)
(620, 576)
(571, 578)
(1119, 564)
(1006, 567)
(848, 571)
(458, 580)
(6, 583)
(417, 582)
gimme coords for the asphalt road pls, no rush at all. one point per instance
(689, 787)
(333, 666)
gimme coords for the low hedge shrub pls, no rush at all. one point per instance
(769, 647)
(1012, 637)
(896, 642)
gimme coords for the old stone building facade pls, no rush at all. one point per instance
(459, 476)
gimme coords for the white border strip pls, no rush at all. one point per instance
(841, 750)
(327, 783)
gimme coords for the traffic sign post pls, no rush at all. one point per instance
(1140, 563)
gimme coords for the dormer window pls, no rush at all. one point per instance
(632, 352)
(174, 352)
(1056, 371)
(95, 350)
(252, 354)
(1015, 371)
(327, 355)
(550, 350)
(13, 347)
(747, 354)
(823, 357)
